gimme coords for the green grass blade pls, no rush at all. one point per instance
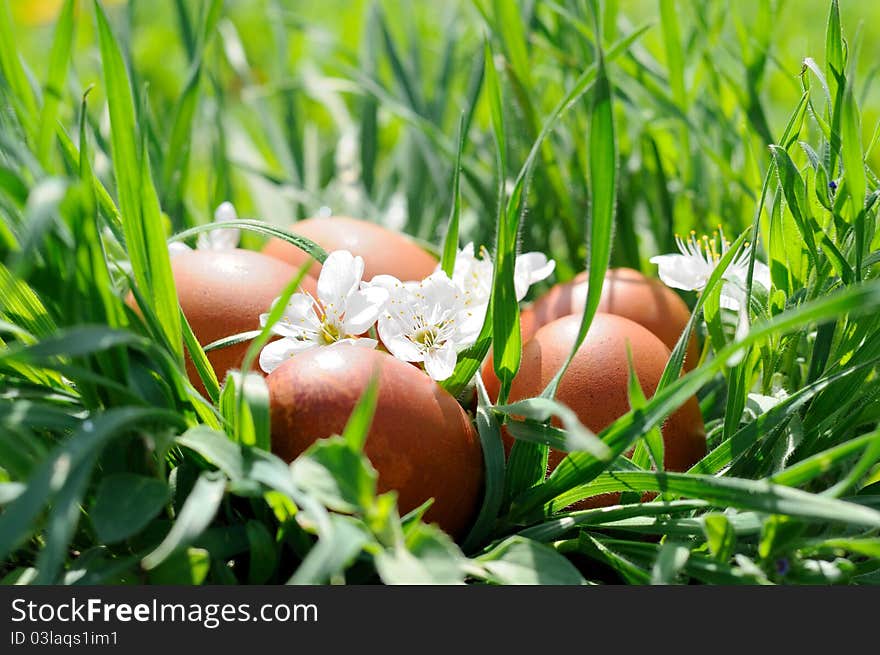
(450, 241)
(559, 526)
(603, 186)
(141, 217)
(510, 25)
(795, 195)
(358, 425)
(194, 517)
(816, 465)
(854, 170)
(62, 522)
(493, 464)
(306, 245)
(520, 561)
(834, 59)
(200, 360)
(18, 517)
(579, 468)
(754, 495)
(25, 101)
(59, 61)
(470, 360)
(674, 52)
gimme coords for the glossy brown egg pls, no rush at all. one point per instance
(627, 293)
(384, 251)
(595, 385)
(223, 292)
(421, 442)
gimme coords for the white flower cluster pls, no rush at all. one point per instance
(428, 321)
(691, 267)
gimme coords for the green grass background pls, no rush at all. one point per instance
(112, 469)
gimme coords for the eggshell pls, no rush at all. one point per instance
(628, 293)
(595, 384)
(223, 292)
(384, 251)
(421, 442)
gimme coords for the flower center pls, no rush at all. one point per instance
(330, 332)
(427, 336)
(707, 249)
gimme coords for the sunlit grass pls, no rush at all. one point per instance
(593, 132)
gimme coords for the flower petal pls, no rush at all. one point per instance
(397, 343)
(299, 318)
(388, 282)
(340, 276)
(681, 271)
(531, 267)
(762, 275)
(463, 259)
(275, 353)
(363, 308)
(439, 294)
(470, 323)
(732, 295)
(176, 248)
(221, 239)
(440, 362)
(225, 212)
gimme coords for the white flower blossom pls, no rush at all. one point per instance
(426, 322)
(224, 239)
(346, 308)
(530, 268)
(176, 248)
(473, 276)
(690, 268)
(221, 239)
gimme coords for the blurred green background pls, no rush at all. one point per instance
(352, 107)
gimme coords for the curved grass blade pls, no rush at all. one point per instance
(470, 360)
(200, 360)
(536, 411)
(141, 217)
(493, 463)
(754, 495)
(18, 517)
(854, 170)
(730, 450)
(580, 468)
(358, 425)
(603, 187)
(450, 241)
(63, 519)
(194, 517)
(306, 245)
(557, 527)
(521, 561)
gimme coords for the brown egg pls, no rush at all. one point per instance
(223, 292)
(595, 385)
(627, 293)
(384, 251)
(421, 442)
